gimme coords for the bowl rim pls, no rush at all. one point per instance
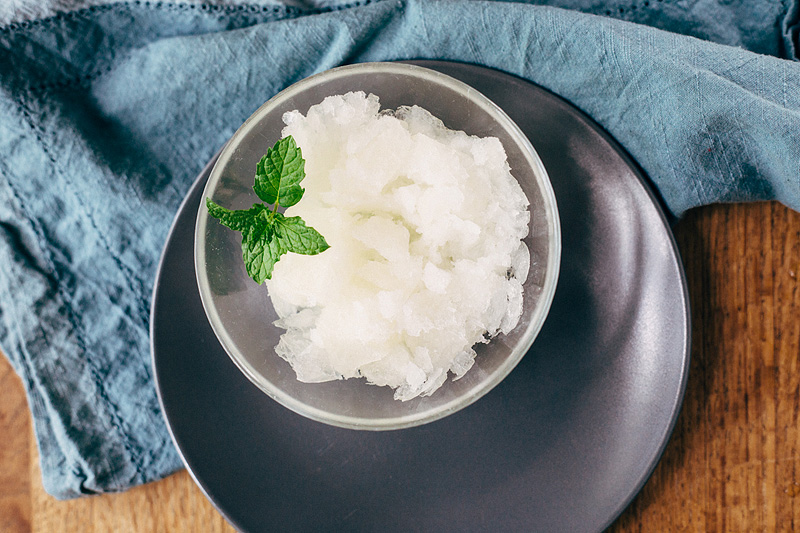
(540, 311)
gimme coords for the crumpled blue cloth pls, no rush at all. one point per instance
(107, 114)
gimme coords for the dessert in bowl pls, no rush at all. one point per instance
(398, 299)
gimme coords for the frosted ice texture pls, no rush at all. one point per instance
(426, 260)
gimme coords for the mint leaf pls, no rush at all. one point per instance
(267, 234)
(260, 251)
(236, 220)
(295, 236)
(279, 173)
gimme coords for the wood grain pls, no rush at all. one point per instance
(15, 435)
(732, 464)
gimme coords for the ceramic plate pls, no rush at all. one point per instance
(564, 443)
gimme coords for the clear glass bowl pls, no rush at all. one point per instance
(240, 311)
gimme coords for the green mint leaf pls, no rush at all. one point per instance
(236, 220)
(260, 251)
(279, 173)
(295, 236)
(267, 234)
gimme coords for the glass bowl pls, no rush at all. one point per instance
(240, 311)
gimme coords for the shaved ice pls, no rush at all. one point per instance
(425, 226)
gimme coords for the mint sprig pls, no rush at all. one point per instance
(266, 233)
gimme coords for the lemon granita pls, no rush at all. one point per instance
(426, 259)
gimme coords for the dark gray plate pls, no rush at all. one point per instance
(564, 443)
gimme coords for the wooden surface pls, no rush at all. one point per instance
(732, 464)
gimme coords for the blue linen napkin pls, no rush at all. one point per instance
(108, 113)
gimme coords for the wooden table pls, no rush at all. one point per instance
(732, 464)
